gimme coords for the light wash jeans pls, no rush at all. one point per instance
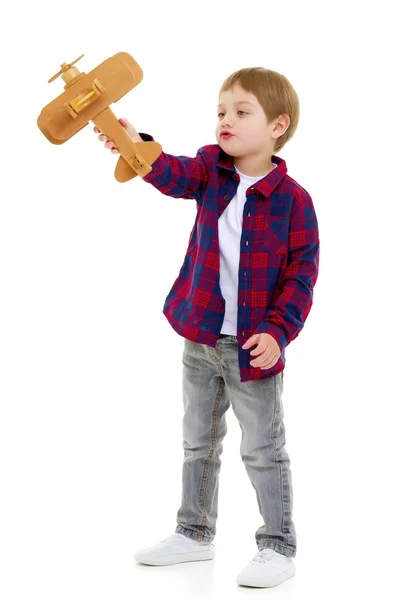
(210, 382)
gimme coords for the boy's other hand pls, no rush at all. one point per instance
(110, 144)
(267, 351)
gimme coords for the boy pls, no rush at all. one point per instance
(247, 281)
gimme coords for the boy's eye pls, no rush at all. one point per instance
(239, 111)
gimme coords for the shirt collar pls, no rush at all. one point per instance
(265, 185)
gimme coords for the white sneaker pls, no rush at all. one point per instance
(174, 549)
(267, 569)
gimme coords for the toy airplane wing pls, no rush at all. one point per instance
(87, 97)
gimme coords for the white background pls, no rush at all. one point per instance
(90, 371)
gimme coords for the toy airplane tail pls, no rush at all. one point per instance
(136, 158)
(138, 164)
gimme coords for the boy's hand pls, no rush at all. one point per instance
(267, 351)
(110, 144)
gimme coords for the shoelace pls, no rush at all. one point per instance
(174, 536)
(264, 555)
(177, 536)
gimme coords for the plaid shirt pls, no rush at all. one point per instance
(279, 253)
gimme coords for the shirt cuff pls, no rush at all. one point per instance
(146, 137)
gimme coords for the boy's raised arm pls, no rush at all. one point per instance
(178, 176)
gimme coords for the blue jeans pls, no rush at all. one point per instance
(210, 382)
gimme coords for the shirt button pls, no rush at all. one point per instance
(252, 188)
(247, 242)
(226, 197)
(245, 273)
(248, 214)
(244, 303)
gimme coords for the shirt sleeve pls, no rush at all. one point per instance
(178, 176)
(287, 316)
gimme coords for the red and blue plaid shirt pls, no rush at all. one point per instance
(279, 253)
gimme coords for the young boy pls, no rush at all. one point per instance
(242, 295)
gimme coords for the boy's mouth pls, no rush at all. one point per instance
(226, 134)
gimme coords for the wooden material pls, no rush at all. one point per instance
(87, 97)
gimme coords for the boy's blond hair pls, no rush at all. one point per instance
(275, 94)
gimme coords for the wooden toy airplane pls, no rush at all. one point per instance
(87, 97)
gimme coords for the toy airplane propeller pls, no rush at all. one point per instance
(87, 97)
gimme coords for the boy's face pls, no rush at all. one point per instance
(247, 122)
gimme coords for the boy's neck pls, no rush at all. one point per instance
(253, 168)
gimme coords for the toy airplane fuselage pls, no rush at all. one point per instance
(87, 97)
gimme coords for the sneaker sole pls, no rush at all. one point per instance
(173, 559)
(267, 581)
